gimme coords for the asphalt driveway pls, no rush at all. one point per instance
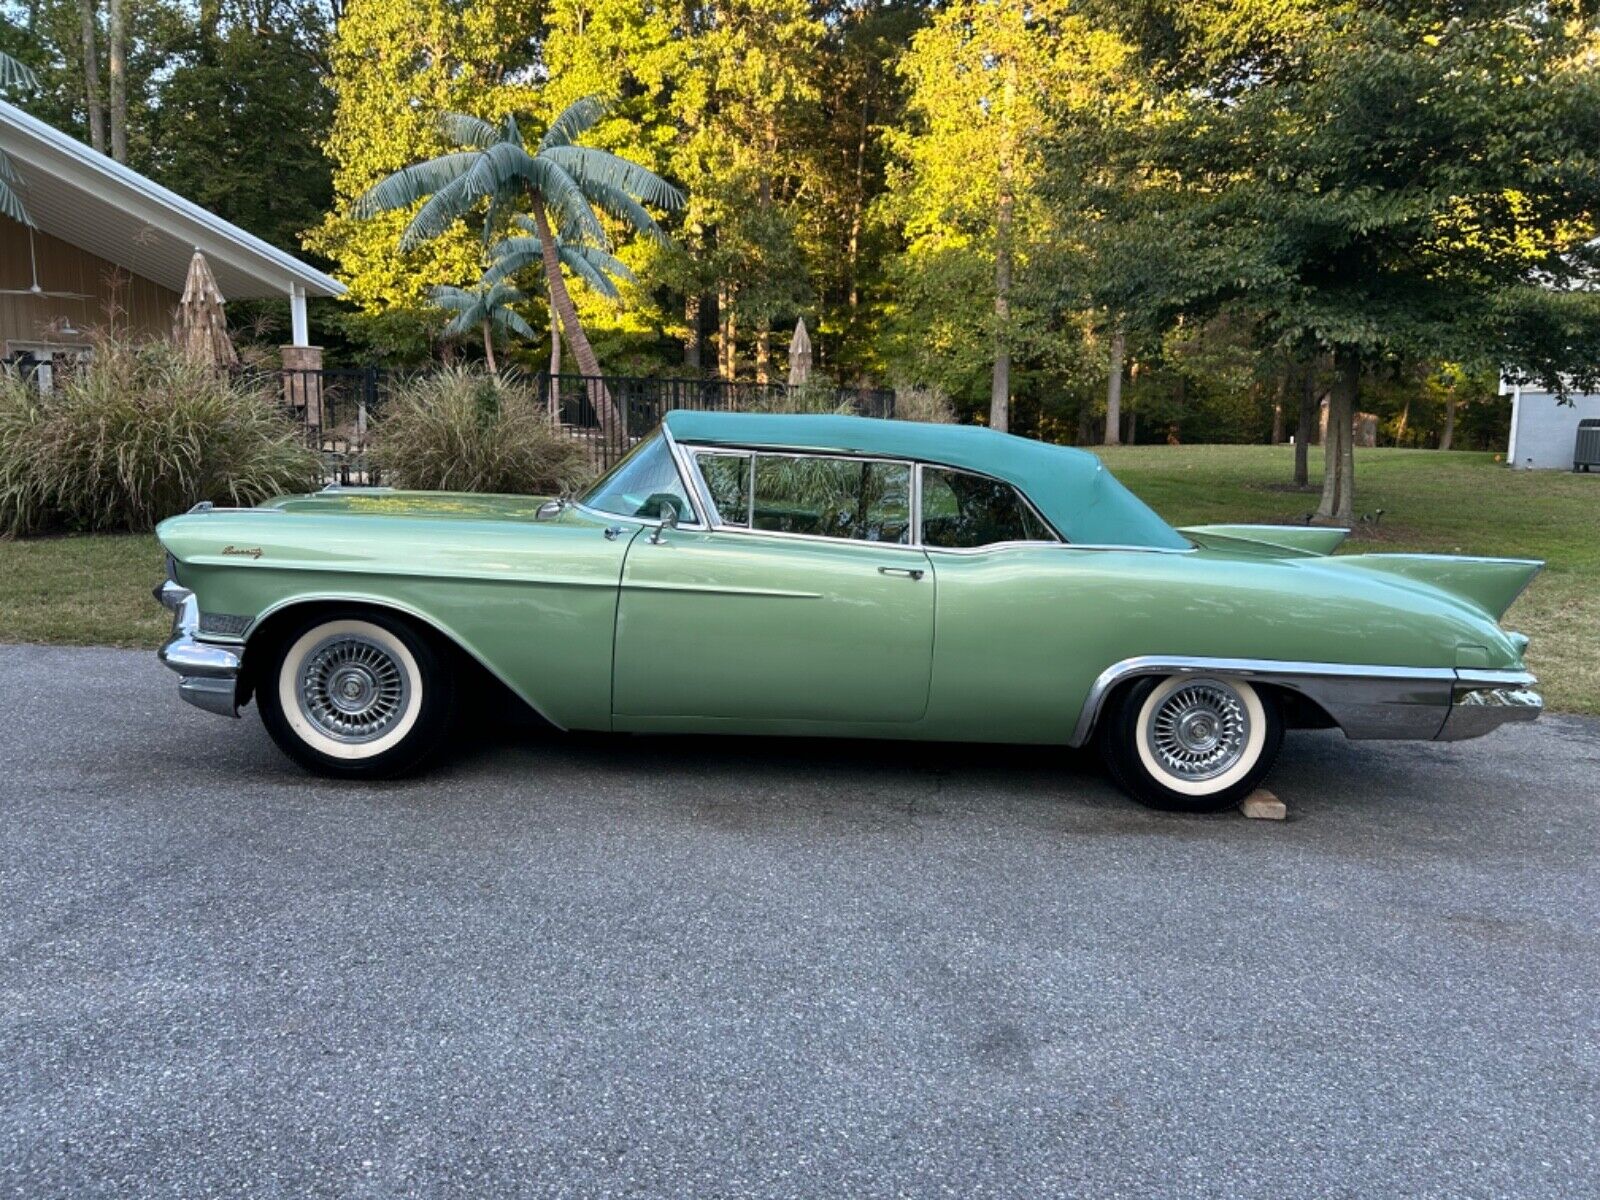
(717, 968)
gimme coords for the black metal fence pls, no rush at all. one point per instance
(608, 413)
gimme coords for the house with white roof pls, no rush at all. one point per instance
(110, 246)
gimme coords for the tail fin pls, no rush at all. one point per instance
(1277, 541)
(1489, 584)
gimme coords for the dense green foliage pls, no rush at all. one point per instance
(1357, 200)
(135, 434)
(461, 430)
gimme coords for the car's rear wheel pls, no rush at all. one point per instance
(357, 695)
(1190, 742)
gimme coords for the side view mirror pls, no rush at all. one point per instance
(668, 517)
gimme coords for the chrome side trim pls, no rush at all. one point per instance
(1112, 546)
(1366, 701)
(208, 675)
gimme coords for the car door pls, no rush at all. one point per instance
(803, 601)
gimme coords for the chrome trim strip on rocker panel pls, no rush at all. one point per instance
(1367, 702)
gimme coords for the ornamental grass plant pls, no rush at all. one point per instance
(136, 432)
(461, 429)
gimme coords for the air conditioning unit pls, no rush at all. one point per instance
(1586, 453)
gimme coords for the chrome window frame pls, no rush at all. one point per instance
(713, 513)
(1058, 540)
(702, 492)
(689, 450)
(687, 479)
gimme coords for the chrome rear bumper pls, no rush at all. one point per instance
(1482, 701)
(208, 674)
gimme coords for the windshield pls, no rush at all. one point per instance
(641, 482)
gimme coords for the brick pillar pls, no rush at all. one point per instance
(302, 388)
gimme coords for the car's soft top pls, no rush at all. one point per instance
(1071, 487)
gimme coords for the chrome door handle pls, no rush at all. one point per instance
(908, 572)
(613, 532)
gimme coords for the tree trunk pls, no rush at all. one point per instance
(117, 35)
(1339, 464)
(561, 300)
(1000, 383)
(488, 347)
(555, 341)
(91, 75)
(1303, 426)
(858, 204)
(1133, 426)
(763, 352)
(1449, 435)
(691, 337)
(1400, 425)
(1278, 407)
(1119, 345)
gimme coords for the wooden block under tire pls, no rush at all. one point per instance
(1262, 805)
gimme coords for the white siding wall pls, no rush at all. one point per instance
(1543, 429)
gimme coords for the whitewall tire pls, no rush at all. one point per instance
(355, 694)
(1194, 742)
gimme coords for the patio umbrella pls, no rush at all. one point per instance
(202, 327)
(799, 354)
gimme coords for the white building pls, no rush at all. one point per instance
(1544, 430)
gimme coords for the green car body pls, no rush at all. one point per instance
(683, 621)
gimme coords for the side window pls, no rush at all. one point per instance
(641, 483)
(833, 497)
(961, 511)
(727, 479)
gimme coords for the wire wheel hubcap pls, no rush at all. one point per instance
(353, 689)
(1200, 731)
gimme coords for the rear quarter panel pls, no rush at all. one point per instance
(1021, 633)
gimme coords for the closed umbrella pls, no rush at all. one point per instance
(202, 325)
(799, 354)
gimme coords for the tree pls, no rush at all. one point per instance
(241, 104)
(13, 73)
(987, 81)
(594, 266)
(396, 67)
(486, 307)
(1370, 180)
(494, 168)
(89, 23)
(117, 49)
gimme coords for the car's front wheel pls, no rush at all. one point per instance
(1190, 742)
(355, 695)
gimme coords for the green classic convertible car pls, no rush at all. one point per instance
(836, 576)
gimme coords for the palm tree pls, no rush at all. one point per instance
(487, 306)
(557, 178)
(592, 265)
(13, 74)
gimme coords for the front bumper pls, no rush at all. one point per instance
(1482, 701)
(208, 674)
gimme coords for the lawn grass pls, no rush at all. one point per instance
(95, 589)
(86, 590)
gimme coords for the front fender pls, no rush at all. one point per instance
(535, 603)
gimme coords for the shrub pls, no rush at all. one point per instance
(136, 433)
(816, 395)
(461, 430)
(927, 404)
